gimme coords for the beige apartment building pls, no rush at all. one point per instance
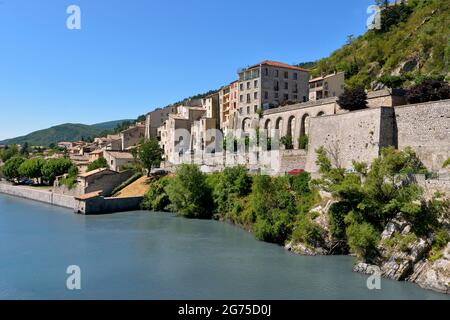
(212, 106)
(156, 118)
(172, 141)
(328, 86)
(228, 101)
(267, 85)
(132, 136)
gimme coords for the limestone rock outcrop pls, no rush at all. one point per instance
(433, 275)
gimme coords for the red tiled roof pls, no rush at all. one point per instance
(281, 65)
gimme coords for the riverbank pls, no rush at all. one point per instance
(89, 204)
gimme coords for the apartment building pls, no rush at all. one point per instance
(212, 106)
(156, 118)
(224, 107)
(174, 142)
(132, 136)
(328, 86)
(228, 101)
(268, 84)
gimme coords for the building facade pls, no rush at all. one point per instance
(327, 87)
(268, 85)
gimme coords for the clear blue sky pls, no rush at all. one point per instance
(132, 56)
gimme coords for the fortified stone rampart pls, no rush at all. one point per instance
(426, 128)
(351, 136)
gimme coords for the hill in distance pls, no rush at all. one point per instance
(65, 132)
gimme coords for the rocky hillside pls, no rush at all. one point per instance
(413, 42)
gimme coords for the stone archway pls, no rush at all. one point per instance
(291, 126)
(305, 125)
(268, 125)
(246, 125)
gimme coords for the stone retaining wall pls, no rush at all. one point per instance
(45, 196)
(101, 205)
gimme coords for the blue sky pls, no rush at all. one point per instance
(132, 56)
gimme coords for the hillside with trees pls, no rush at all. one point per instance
(66, 132)
(412, 44)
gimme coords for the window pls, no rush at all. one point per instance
(286, 96)
(255, 95)
(248, 110)
(266, 71)
(295, 87)
(276, 95)
(295, 76)
(286, 75)
(286, 86)
(241, 98)
(276, 73)
(276, 87)
(240, 111)
(255, 108)
(248, 85)
(266, 95)
(248, 98)
(255, 84)
(241, 87)
(295, 97)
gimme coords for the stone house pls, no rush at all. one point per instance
(132, 136)
(103, 181)
(118, 159)
(95, 155)
(328, 86)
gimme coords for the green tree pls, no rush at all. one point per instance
(54, 168)
(353, 99)
(428, 90)
(189, 193)
(100, 163)
(71, 179)
(32, 168)
(156, 198)
(363, 239)
(274, 208)
(286, 141)
(11, 167)
(9, 152)
(149, 154)
(303, 142)
(232, 184)
(25, 150)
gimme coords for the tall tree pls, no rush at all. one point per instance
(149, 154)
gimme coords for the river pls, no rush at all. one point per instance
(140, 255)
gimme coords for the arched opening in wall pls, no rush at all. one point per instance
(320, 114)
(303, 140)
(304, 129)
(291, 126)
(268, 125)
(279, 124)
(246, 125)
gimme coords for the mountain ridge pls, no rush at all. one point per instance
(65, 132)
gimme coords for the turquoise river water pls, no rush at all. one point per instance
(140, 255)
